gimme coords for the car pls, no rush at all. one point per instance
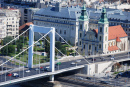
(59, 63)
(47, 68)
(36, 69)
(15, 75)
(104, 82)
(9, 74)
(109, 56)
(73, 63)
(116, 77)
(27, 71)
(128, 53)
(88, 78)
(41, 67)
(120, 74)
(112, 58)
(93, 59)
(78, 61)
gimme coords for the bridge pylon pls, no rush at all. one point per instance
(34, 28)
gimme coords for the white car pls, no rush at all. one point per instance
(73, 63)
(112, 58)
(15, 74)
(78, 61)
(36, 69)
(27, 71)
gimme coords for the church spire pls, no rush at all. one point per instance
(83, 16)
(103, 18)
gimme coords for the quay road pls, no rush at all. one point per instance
(64, 65)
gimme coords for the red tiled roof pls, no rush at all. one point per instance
(26, 24)
(113, 48)
(118, 39)
(115, 31)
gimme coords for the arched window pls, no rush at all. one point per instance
(100, 29)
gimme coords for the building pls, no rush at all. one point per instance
(13, 17)
(9, 22)
(104, 40)
(64, 19)
(3, 26)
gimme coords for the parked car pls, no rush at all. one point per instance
(120, 74)
(41, 67)
(27, 71)
(104, 82)
(109, 56)
(88, 78)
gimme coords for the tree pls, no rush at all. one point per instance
(1, 42)
(58, 45)
(7, 39)
(8, 49)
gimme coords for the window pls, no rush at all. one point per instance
(106, 38)
(100, 29)
(80, 42)
(60, 32)
(95, 48)
(106, 29)
(80, 35)
(105, 45)
(89, 47)
(64, 31)
(100, 38)
(84, 46)
(81, 26)
(100, 46)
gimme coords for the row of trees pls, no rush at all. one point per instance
(15, 45)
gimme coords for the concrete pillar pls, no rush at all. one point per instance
(52, 52)
(30, 51)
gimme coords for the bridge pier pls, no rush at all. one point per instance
(52, 78)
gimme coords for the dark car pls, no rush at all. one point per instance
(120, 74)
(104, 82)
(88, 78)
(93, 59)
(109, 56)
(128, 53)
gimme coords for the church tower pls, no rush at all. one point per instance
(83, 27)
(103, 30)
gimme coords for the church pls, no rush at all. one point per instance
(103, 40)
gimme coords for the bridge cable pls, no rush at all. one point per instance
(71, 46)
(26, 48)
(55, 47)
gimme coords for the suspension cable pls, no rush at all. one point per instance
(14, 39)
(25, 49)
(71, 46)
(55, 47)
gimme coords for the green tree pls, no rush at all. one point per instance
(7, 39)
(58, 45)
(11, 49)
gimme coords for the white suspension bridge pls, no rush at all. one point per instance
(31, 71)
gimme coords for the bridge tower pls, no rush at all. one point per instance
(33, 29)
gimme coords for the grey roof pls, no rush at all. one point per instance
(75, 11)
